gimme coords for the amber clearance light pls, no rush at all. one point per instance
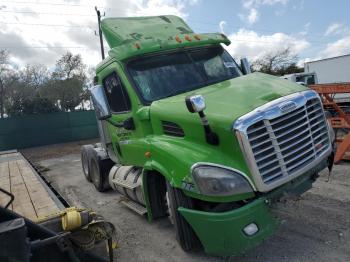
(197, 37)
(137, 45)
(188, 38)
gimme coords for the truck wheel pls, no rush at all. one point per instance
(86, 151)
(184, 233)
(99, 170)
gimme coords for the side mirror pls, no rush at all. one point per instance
(100, 102)
(245, 66)
(195, 103)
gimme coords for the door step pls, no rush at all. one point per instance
(125, 183)
(139, 209)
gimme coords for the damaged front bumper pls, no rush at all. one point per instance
(223, 233)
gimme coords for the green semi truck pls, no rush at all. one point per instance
(188, 133)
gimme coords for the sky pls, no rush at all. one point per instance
(39, 32)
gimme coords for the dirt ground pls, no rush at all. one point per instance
(314, 227)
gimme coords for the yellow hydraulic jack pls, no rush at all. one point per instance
(85, 228)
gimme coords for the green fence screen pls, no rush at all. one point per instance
(37, 130)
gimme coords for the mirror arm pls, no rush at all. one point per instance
(128, 124)
(210, 136)
(114, 123)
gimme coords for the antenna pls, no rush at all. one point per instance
(100, 32)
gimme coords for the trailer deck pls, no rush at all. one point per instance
(33, 198)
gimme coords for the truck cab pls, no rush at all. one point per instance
(304, 78)
(188, 133)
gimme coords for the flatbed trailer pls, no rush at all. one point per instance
(33, 199)
(35, 223)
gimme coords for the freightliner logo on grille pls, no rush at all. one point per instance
(287, 106)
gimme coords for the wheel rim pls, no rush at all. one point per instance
(170, 211)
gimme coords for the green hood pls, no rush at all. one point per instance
(225, 101)
(228, 100)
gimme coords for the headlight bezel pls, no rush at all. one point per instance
(235, 174)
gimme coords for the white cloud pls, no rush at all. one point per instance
(253, 16)
(18, 31)
(253, 7)
(161, 7)
(337, 48)
(299, 6)
(253, 3)
(221, 25)
(332, 28)
(305, 30)
(340, 46)
(337, 29)
(247, 43)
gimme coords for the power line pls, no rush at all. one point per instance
(200, 22)
(42, 13)
(247, 39)
(87, 27)
(65, 14)
(47, 3)
(84, 47)
(53, 25)
(216, 24)
(47, 47)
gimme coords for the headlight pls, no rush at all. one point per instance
(218, 181)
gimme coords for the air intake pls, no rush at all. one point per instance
(172, 129)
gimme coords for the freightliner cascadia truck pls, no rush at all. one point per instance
(186, 132)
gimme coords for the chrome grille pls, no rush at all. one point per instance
(285, 144)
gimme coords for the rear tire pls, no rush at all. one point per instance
(184, 233)
(86, 151)
(99, 171)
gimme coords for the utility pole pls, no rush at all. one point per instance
(100, 32)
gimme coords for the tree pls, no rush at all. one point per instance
(34, 89)
(66, 86)
(39, 105)
(29, 106)
(66, 93)
(278, 62)
(35, 75)
(69, 66)
(16, 93)
(4, 62)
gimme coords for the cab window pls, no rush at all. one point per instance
(118, 98)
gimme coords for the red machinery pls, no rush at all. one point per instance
(340, 120)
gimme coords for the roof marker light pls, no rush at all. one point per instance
(137, 45)
(197, 37)
(177, 38)
(188, 38)
(148, 154)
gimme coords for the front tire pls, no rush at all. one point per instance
(184, 232)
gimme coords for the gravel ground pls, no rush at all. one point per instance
(314, 227)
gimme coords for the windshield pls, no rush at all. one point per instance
(166, 75)
(307, 79)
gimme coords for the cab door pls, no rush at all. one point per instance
(121, 126)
